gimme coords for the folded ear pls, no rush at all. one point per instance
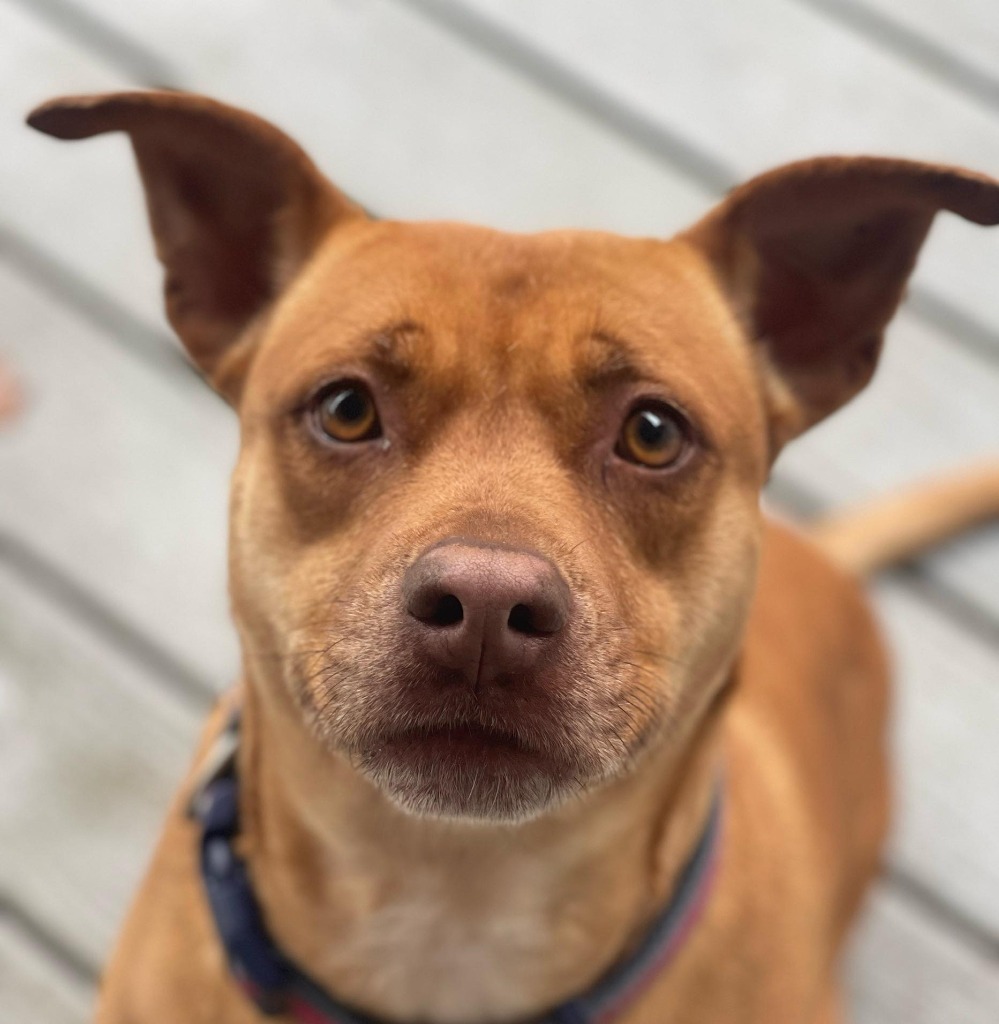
(235, 206)
(815, 256)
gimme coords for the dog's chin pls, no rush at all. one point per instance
(470, 774)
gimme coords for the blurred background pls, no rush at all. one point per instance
(526, 114)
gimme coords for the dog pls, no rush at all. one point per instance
(540, 718)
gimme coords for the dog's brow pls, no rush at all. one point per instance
(390, 349)
(608, 360)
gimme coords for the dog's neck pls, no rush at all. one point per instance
(413, 918)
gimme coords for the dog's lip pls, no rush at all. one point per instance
(463, 741)
(459, 733)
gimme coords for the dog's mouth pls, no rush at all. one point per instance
(468, 770)
(463, 743)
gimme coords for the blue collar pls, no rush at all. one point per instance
(277, 986)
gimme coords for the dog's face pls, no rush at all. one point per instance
(431, 403)
(495, 519)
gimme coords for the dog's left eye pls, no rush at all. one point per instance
(654, 435)
(346, 412)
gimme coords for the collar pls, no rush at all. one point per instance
(276, 986)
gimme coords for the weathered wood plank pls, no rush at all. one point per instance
(904, 969)
(944, 731)
(121, 477)
(33, 990)
(960, 47)
(90, 749)
(758, 84)
(53, 202)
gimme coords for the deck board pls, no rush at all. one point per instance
(946, 708)
(33, 990)
(36, 63)
(903, 970)
(90, 747)
(121, 476)
(960, 49)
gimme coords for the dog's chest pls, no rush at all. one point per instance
(451, 956)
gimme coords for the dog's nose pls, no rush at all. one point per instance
(487, 611)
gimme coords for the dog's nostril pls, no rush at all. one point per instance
(522, 620)
(446, 612)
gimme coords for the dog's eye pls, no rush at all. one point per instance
(653, 435)
(346, 412)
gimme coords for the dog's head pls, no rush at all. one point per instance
(495, 519)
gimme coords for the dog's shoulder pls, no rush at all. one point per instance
(813, 655)
(800, 585)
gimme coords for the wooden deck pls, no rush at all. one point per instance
(524, 113)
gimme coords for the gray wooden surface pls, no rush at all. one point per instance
(524, 114)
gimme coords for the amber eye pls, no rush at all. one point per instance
(346, 412)
(653, 435)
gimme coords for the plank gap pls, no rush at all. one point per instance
(972, 933)
(52, 947)
(912, 46)
(579, 93)
(134, 335)
(110, 44)
(947, 601)
(51, 581)
(958, 325)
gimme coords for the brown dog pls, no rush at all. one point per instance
(510, 616)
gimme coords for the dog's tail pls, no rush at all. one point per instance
(902, 524)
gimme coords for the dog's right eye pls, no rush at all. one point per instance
(346, 412)
(655, 435)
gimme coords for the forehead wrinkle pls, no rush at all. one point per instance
(388, 351)
(607, 360)
(392, 350)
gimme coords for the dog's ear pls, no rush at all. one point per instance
(815, 257)
(236, 207)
